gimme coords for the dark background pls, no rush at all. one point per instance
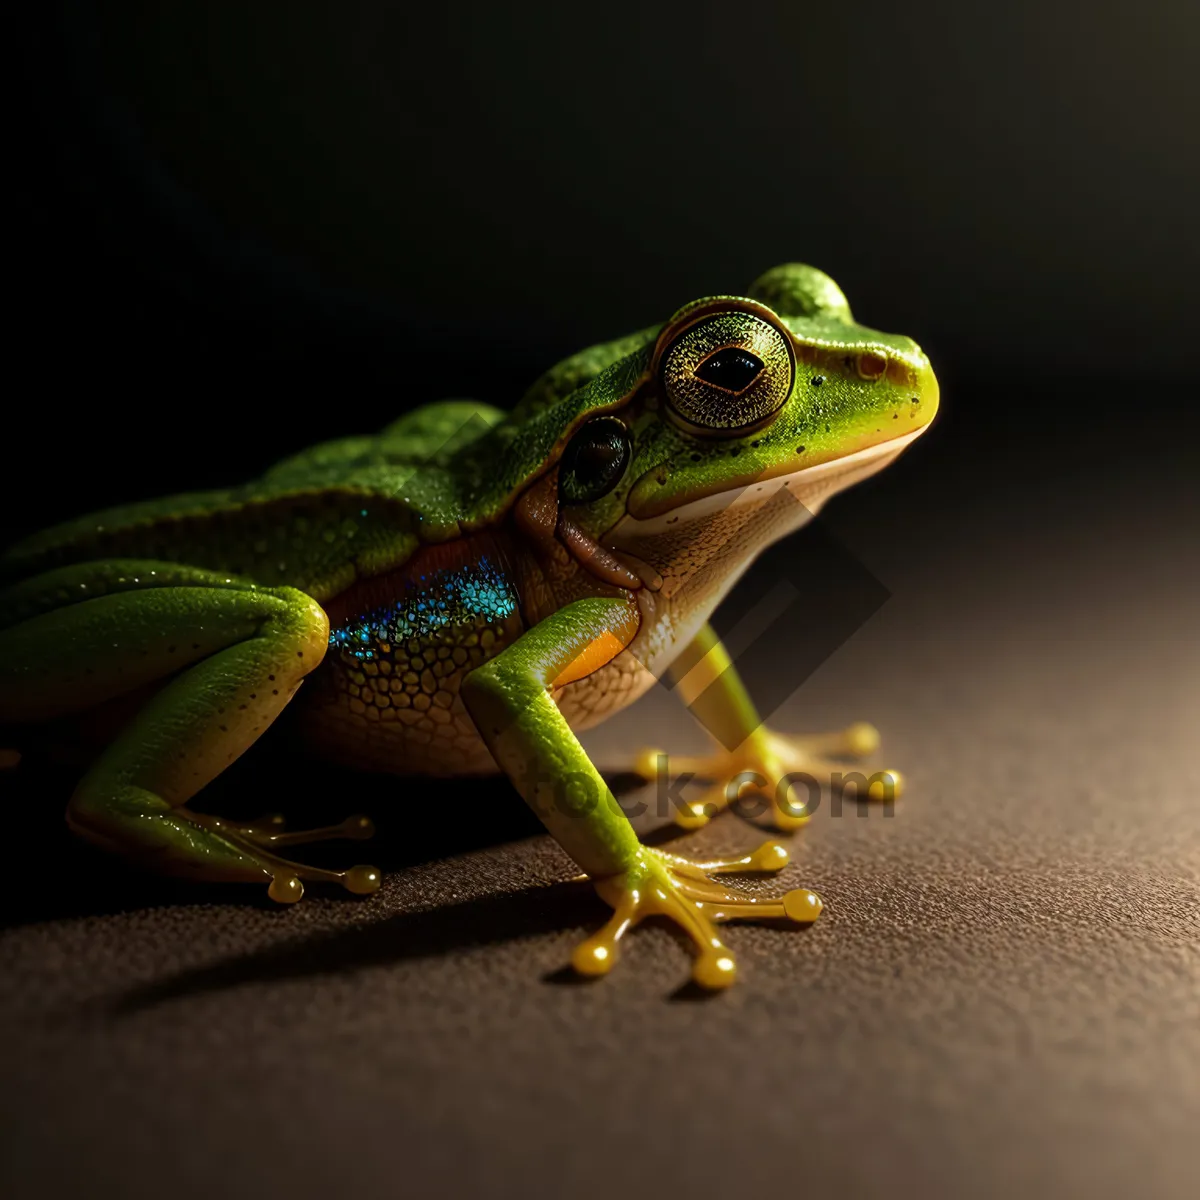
(240, 229)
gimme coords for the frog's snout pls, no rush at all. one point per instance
(910, 375)
(892, 377)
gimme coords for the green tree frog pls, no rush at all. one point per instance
(466, 590)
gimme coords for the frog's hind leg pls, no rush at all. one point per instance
(231, 658)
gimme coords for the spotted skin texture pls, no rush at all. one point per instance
(440, 602)
(387, 694)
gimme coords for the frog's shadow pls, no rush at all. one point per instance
(418, 821)
(402, 937)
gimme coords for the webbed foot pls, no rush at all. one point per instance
(256, 839)
(662, 884)
(766, 765)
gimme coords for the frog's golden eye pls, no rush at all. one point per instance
(594, 460)
(728, 373)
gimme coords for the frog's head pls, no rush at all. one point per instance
(734, 423)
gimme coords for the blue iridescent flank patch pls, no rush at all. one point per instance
(465, 595)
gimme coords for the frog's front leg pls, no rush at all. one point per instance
(232, 656)
(510, 700)
(761, 760)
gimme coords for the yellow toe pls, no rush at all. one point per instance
(593, 957)
(285, 889)
(802, 906)
(716, 970)
(362, 881)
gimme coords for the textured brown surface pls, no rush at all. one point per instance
(1003, 996)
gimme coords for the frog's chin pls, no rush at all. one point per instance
(810, 487)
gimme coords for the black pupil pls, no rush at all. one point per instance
(732, 369)
(595, 460)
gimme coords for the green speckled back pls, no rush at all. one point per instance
(352, 507)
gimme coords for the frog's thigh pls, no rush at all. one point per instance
(77, 656)
(244, 653)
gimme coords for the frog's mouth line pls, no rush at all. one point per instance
(811, 487)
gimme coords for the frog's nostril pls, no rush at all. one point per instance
(872, 366)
